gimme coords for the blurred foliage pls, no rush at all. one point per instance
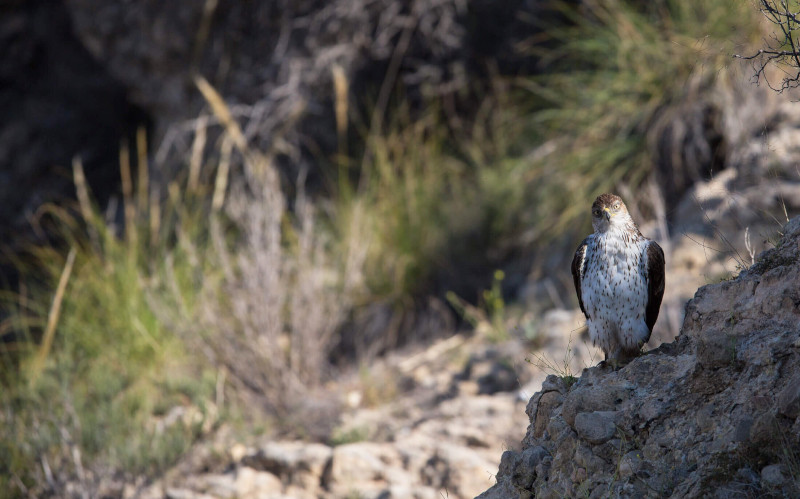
(489, 318)
(154, 315)
(449, 204)
(608, 72)
(117, 390)
(437, 200)
(147, 333)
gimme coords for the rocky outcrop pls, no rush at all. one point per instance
(714, 413)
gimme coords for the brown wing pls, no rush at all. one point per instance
(578, 266)
(655, 283)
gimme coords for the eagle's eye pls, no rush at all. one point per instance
(596, 212)
(616, 206)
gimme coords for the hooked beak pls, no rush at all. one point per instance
(607, 214)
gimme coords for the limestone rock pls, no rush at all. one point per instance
(774, 475)
(546, 403)
(296, 463)
(244, 482)
(595, 427)
(788, 399)
(692, 418)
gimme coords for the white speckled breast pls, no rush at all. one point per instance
(614, 288)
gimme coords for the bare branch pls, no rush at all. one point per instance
(782, 49)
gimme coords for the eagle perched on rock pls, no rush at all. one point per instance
(619, 279)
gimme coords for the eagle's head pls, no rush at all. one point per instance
(609, 211)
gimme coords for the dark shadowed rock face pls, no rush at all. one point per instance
(57, 102)
(274, 62)
(717, 412)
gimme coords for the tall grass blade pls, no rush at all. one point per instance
(82, 191)
(52, 317)
(142, 167)
(127, 193)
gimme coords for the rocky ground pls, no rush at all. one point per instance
(433, 425)
(715, 413)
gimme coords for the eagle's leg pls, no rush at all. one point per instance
(634, 333)
(615, 360)
(619, 355)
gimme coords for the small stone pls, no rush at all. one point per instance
(585, 458)
(765, 430)
(579, 475)
(742, 431)
(705, 418)
(595, 427)
(238, 451)
(553, 383)
(297, 463)
(543, 468)
(525, 472)
(630, 464)
(219, 485)
(592, 398)
(747, 475)
(361, 461)
(249, 482)
(716, 348)
(547, 403)
(533, 456)
(652, 409)
(652, 451)
(557, 429)
(788, 399)
(774, 475)
(508, 462)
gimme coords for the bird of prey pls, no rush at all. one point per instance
(619, 279)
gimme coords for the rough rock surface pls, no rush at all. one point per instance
(715, 413)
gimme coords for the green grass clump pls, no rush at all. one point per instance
(144, 337)
(610, 71)
(96, 382)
